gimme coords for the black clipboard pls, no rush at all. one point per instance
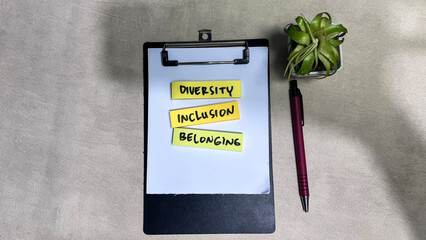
(206, 213)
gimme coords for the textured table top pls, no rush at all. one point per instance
(71, 116)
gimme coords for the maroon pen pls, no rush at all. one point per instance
(296, 103)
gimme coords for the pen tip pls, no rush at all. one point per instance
(305, 203)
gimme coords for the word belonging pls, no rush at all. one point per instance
(208, 139)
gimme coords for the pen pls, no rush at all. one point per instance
(296, 104)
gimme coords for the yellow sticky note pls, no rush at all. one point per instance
(204, 114)
(206, 89)
(208, 139)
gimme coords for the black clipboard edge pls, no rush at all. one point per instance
(206, 213)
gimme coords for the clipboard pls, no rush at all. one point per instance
(206, 213)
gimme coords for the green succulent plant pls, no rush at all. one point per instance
(317, 44)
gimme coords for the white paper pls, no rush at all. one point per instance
(187, 170)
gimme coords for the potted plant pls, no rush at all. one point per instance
(315, 47)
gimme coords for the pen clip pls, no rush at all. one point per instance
(301, 107)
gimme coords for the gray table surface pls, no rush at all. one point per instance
(71, 116)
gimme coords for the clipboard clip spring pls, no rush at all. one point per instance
(205, 42)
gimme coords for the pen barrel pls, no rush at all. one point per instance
(299, 146)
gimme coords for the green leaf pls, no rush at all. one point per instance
(308, 28)
(332, 35)
(295, 51)
(295, 28)
(325, 62)
(336, 55)
(325, 22)
(307, 64)
(326, 49)
(298, 36)
(316, 22)
(292, 60)
(316, 57)
(330, 29)
(304, 53)
(301, 23)
(335, 43)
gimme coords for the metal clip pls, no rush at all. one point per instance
(205, 42)
(205, 35)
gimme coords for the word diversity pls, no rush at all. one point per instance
(206, 89)
(206, 114)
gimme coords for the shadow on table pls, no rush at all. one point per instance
(127, 26)
(406, 180)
